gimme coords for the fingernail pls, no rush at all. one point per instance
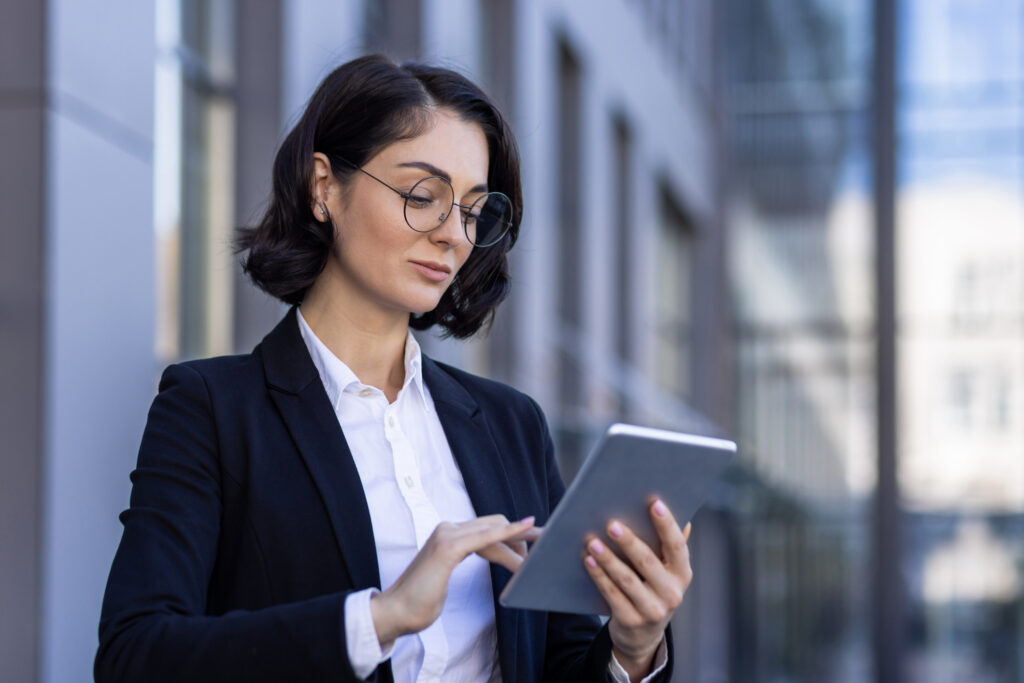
(660, 509)
(596, 547)
(527, 520)
(615, 529)
(591, 562)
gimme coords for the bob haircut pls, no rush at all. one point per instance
(359, 109)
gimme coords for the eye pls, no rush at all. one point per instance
(419, 200)
(429, 193)
(470, 216)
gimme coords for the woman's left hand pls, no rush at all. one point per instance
(642, 601)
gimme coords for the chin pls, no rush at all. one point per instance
(423, 305)
(418, 299)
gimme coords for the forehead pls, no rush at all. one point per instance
(450, 143)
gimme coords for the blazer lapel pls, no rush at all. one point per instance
(487, 483)
(296, 389)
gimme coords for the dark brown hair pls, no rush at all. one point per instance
(359, 109)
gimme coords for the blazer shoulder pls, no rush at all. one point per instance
(478, 384)
(491, 394)
(219, 375)
(224, 366)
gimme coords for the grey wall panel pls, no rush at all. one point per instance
(22, 63)
(259, 131)
(100, 67)
(100, 376)
(21, 342)
(21, 38)
(99, 350)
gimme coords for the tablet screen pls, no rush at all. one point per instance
(628, 466)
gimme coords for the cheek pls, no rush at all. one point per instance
(364, 240)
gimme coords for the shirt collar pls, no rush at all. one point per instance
(338, 377)
(414, 365)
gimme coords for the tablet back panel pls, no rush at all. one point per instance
(628, 466)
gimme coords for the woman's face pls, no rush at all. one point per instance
(379, 262)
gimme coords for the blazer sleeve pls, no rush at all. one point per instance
(578, 647)
(154, 625)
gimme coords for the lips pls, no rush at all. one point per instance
(432, 270)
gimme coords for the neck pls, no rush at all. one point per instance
(372, 346)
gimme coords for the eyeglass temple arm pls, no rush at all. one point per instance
(401, 194)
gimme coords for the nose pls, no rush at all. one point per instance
(450, 233)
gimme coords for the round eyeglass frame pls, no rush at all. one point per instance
(406, 196)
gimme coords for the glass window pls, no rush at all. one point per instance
(674, 273)
(497, 50)
(571, 425)
(799, 214)
(960, 398)
(961, 211)
(194, 184)
(624, 319)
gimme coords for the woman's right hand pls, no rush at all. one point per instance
(415, 600)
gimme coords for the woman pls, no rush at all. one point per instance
(277, 492)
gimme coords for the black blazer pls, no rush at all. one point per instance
(248, 526)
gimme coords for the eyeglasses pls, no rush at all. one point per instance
(429, 202)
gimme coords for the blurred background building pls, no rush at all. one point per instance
(704, 185)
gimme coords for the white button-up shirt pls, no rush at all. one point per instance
(412, 483)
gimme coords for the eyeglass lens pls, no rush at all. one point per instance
(485, 221)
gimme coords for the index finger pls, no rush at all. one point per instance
(471, 540)
(530, 535)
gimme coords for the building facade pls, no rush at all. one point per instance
(138, 144)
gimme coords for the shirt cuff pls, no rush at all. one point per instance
(619, 674)
(364, 651)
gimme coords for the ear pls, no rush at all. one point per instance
(322, 182)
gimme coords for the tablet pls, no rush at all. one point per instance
(628, 466)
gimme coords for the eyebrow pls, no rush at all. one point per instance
(434, 170)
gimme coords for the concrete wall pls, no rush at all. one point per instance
(100, 374)
(76, 316)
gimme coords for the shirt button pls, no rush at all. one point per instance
(366, 393)
(409, 481)
(391, 421)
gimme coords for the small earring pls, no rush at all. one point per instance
(323, 210)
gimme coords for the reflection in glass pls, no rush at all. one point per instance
(799, 212)
(961, 321)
